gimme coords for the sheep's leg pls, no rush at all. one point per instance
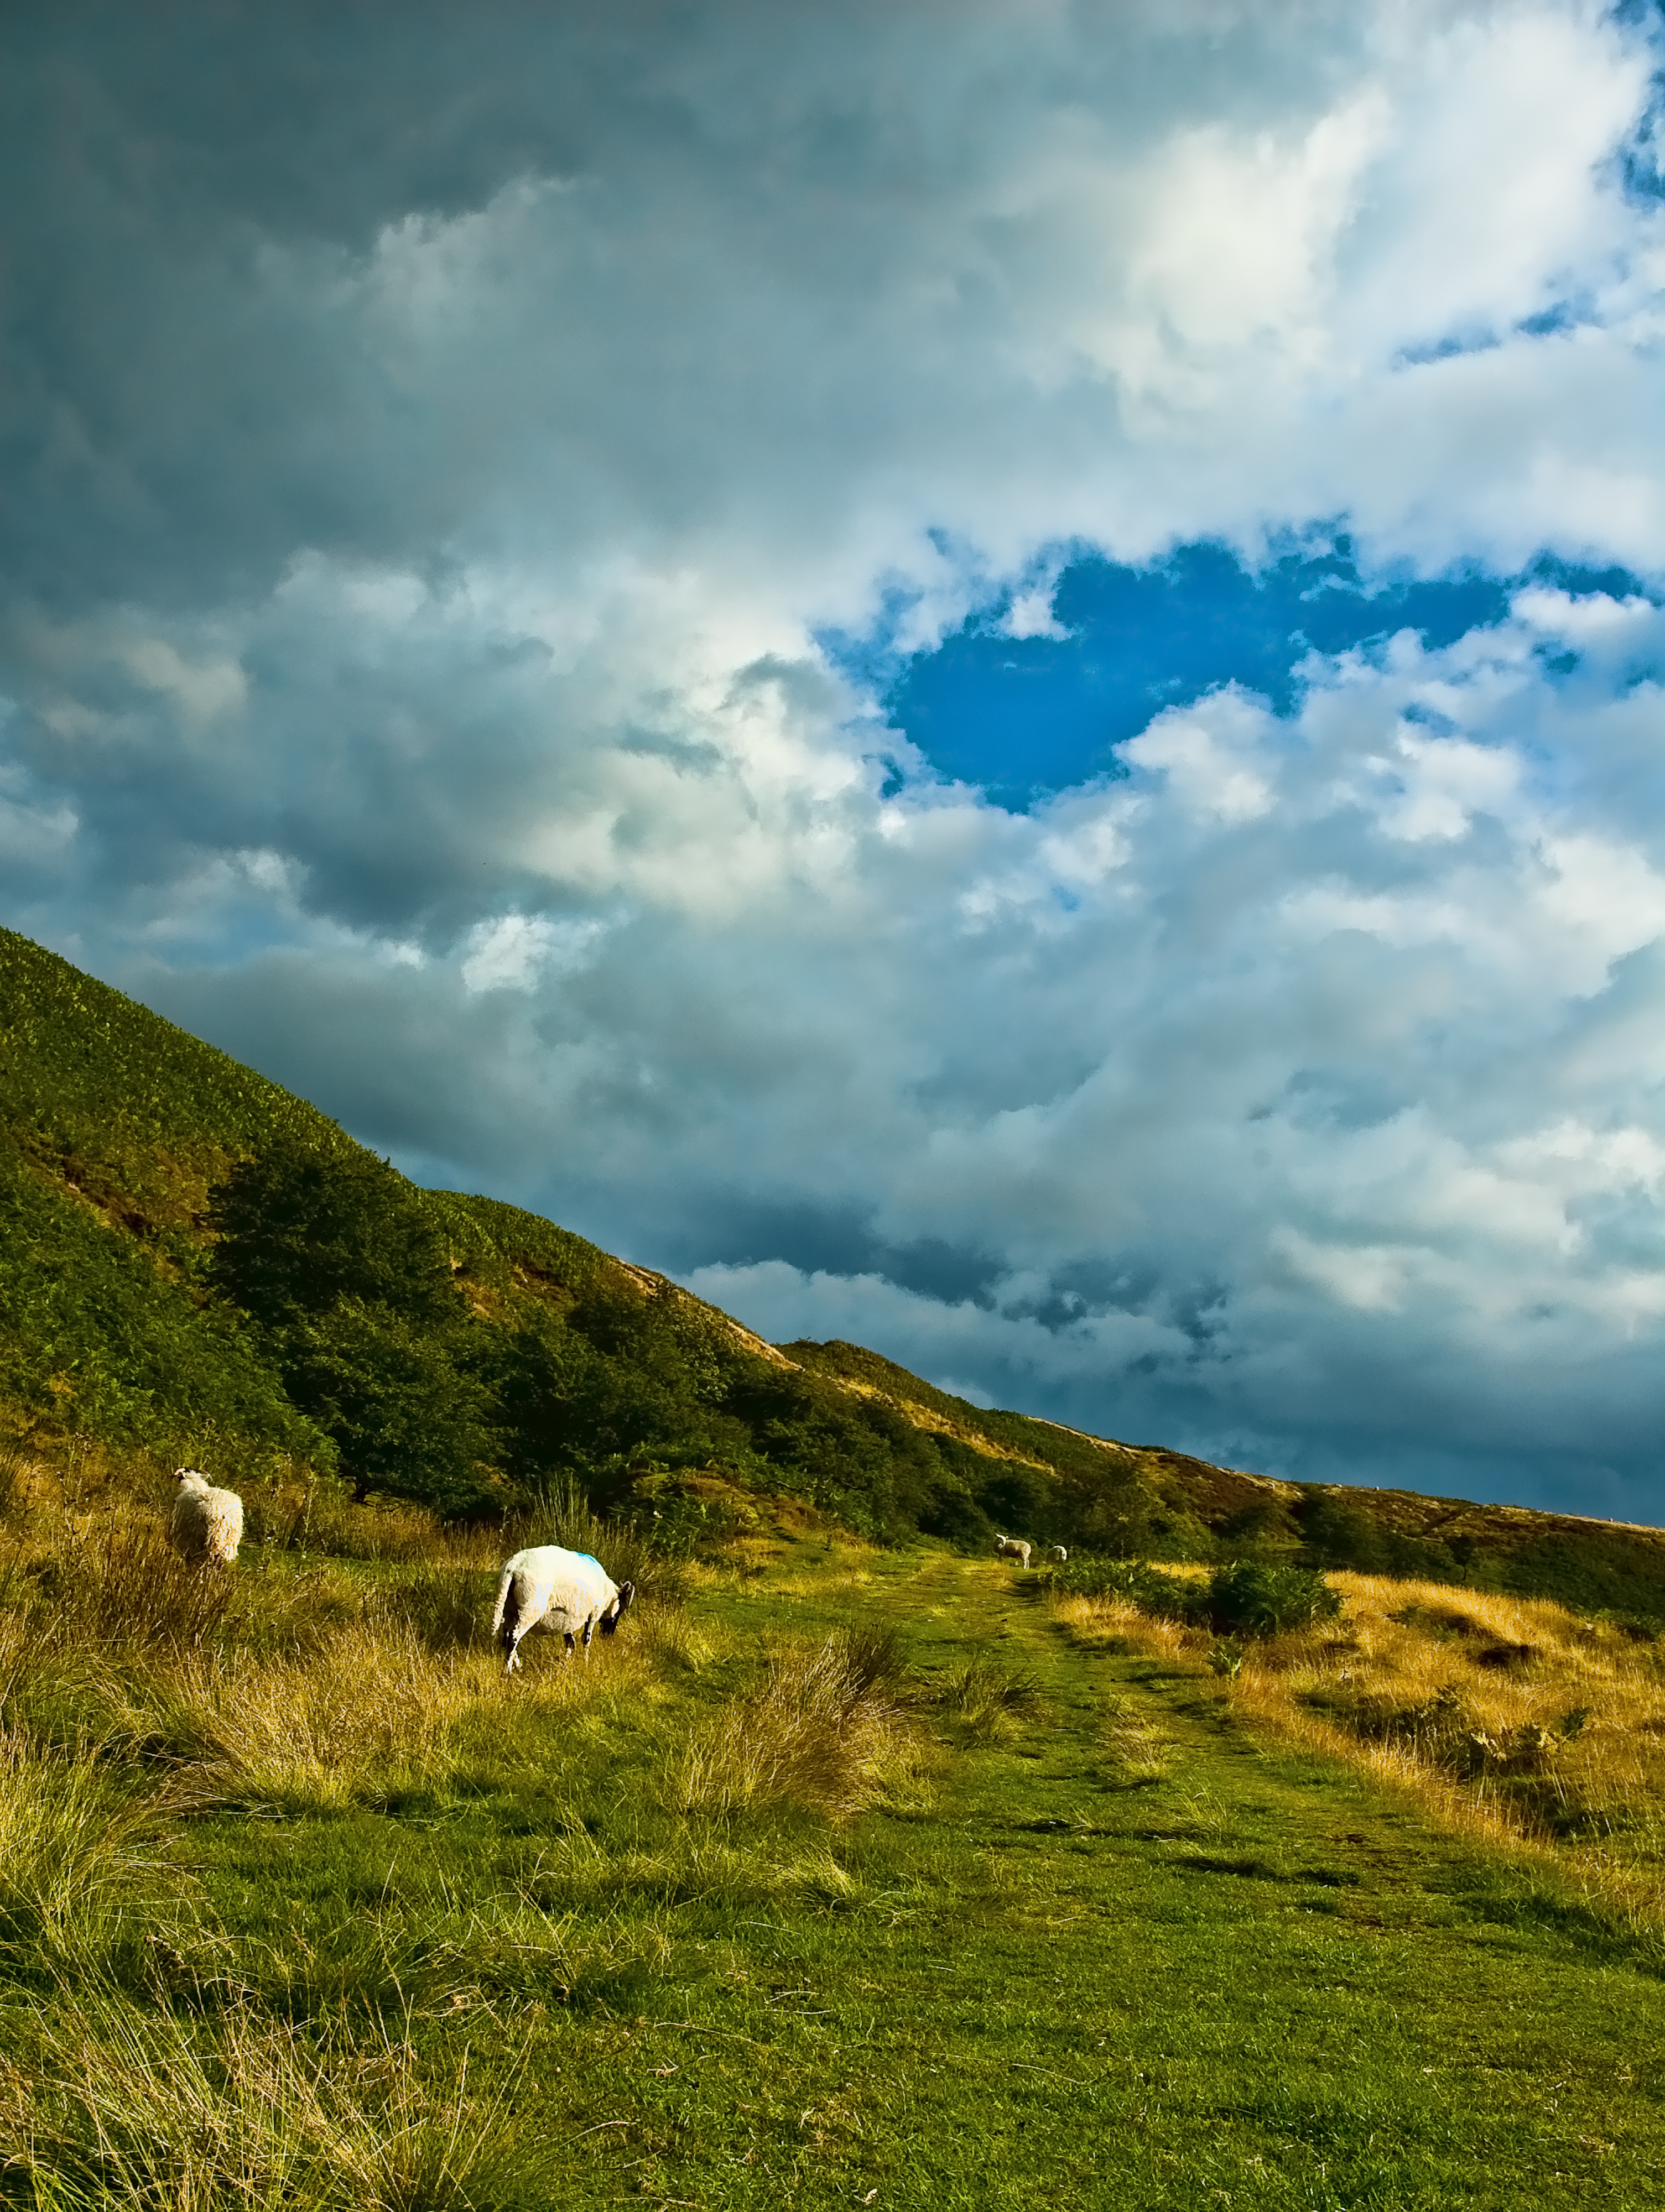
(570, 1645)
(589, 1631)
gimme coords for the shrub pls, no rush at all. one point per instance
(1249, 1597)
(1256, 1599)
(1169, 1597)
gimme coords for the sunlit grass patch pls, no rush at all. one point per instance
(111, 2105)
(826, 1729)
(80, 1862)
(1554, 1724)
(1512, 1719)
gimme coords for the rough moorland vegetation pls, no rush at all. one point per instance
(839, 1875)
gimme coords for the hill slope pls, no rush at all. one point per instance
(192, 1258)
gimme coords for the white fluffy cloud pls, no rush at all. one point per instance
(431, 510)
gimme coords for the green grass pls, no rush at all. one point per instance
(1095, 1945)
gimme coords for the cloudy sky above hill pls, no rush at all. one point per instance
(985, 677)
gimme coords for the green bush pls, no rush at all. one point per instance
(1255, 1599)
(1247, 1598)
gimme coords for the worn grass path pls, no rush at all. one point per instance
(1258, 1981)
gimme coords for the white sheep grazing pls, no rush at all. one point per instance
(568, 1591)
(1058, 1555)
(1011, 1547)
(207, 1525)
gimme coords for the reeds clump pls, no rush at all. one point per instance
(827, 1730)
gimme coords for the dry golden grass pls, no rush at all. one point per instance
(372, 1714)
(113, 2104)
(1511, 1719)
(79, 1857)
(826, 1730)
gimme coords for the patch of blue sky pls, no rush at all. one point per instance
(1022, 716)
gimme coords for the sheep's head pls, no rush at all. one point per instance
(620, 1606)
(189, 1477)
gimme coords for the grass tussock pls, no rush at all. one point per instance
(372, 1713)
(80, 1862)
(827, 1730)
(119, 1582)
(994, 1704)
(1139, 1753)
(121, 2106)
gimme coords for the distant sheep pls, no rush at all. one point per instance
(1058, 1555)
(549, 1587)
(1011, 1547)
(207, 1524)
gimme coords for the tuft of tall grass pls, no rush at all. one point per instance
(1139, 1753)
(446, 1603)
(121, 1582)
(826, 1731)
(370, 1714)
(993, 1703)
(78, 1861)
(111, 2105)
(14, 1469)
(697, 1861)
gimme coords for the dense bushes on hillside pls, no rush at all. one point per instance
(96, 1334)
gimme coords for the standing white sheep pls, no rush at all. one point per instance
(207, 1524)
(1011, 1547)
(568, 1591)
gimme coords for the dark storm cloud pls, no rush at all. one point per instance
(439, 440)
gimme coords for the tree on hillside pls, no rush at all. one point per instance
(348, 1281)
(403, 1417)
(299, 1230)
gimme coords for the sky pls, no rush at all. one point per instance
(985, 678)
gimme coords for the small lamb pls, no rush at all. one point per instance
(552, 1587)
(1012, 1547)
(1058, 1555)
(207, 1524)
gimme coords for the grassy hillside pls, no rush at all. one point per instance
(195, 1263)
(841, 1875)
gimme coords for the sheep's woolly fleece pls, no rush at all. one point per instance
(207, 1524)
